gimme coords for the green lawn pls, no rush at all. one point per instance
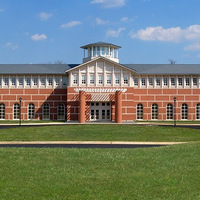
(100, 133)
(171, 172)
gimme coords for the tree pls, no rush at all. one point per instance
(172, 61)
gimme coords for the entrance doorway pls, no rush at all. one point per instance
(100, 111)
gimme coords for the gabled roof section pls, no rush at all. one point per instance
(102, 44)
(165, 69)
(105, 59)
(35, 68)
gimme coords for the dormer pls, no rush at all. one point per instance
(100, 49)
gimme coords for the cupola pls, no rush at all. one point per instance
(100, 49)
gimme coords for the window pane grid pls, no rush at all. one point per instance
(169, 111)
(198, 111)
(61, 111)
(31, 111)
(139, 111)
(16, 111)
(46, 111)
(2, 111)
(184, 111)
(154, 111)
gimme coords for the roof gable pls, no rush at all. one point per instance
(100, 58)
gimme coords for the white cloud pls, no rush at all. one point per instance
(38, 37)
(114, 33)
(71, 24)
(12, 46)
(124, 19)
(193, 47)
(100, 21)
(45, 16)
(173, 34)
(109, 3)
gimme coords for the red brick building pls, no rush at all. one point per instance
(100, 89)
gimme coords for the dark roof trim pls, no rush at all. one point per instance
(100, 44)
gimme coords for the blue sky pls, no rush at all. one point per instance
(149, 31)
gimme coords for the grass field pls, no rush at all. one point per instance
(100, 133)
(171, 172)
(154, 173)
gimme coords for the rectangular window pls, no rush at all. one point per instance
(150, 81)
(100, 79)
(143, 81)
(103, 51)
(21, 81)
(13, 81)
(165, 81)
(43, 81)
(35, 81)
(135, 81)
(50, 81)
(28, 81)
(98, 51)
(64, 81)
(83, 79)
(158, 81)
(180, 81)
(187, 81)
(91, 79)
(173, 81)
(75, 79)
(57, 81)
(195, 81)
(125, 79)
(107, 51)
(117, 79)
(108, 78)
(6, 81)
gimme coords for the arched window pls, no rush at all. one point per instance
(139, 111)
(61, 111)
(198, 111)
(2, 111)
(31, 111)
(184, 111)
(16, 111)
(169, 111)
(46, 111)
(154, 111)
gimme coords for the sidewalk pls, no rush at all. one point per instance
(97, 123)
(91, 142)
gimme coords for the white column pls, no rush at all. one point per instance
(122, 78)
(169, 81)
(79, 77)
(46, 85)
(95, 75)
(39, 81)
(87, 76)
(92, 52)
(113, 76)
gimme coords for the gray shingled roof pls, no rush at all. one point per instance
(100, 44)
(35, 68)
(140, 69)
(165, 69)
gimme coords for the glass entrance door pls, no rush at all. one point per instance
(100, 111)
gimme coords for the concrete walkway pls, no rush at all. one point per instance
(91, 142)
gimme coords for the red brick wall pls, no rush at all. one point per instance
(130, 99)
(36, 96)
(164, 96)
